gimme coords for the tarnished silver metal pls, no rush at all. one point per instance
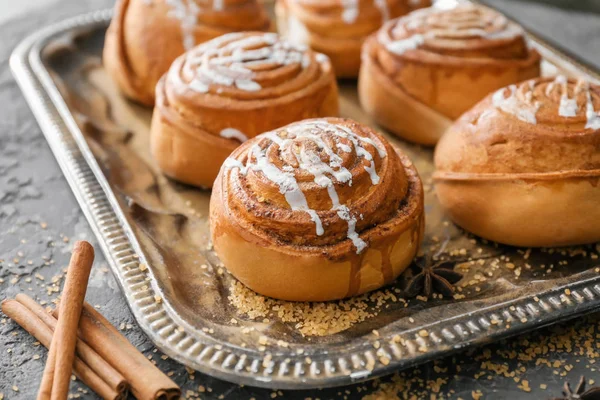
(156, 261)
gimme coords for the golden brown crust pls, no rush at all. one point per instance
(393, 108)
(274, 245)
(145, 36)
(523, 166)
(335, 29)
(445, 60)
(206, 96)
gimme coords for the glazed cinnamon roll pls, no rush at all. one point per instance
(232, 88)
(523, 166)
(317, 210)
(422, 71)
(338, 27)
(145, 36)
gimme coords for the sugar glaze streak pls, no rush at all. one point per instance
(228, 60)
(187, 11)
(513, 105)
(524, 108)
(324, 172)
(232, 133)
(351, 10)
(462, 23)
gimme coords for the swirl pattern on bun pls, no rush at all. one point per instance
(230, 89)
(523, 166)
(439, 63)
(329, 208)
(552, 101)
(338, 27)
(145, 36)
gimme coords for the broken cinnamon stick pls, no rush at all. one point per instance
(29, 321)
(62, 347)
(145, 379)
(102, 368)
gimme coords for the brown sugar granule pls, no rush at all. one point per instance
(310, 319)
(267, 360)
(509, 362)
(384, 360)
(524, 386)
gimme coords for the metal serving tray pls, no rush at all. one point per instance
(154, 234)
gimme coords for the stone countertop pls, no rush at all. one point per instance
(40, 219)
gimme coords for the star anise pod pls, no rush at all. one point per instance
(430, 277)
(579, 393)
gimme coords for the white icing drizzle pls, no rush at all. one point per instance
(344, 213)
(324, 172)
(418, 19)
(343, 147)
(549, 88)
(321, 58)
(218, 5)
(593, 117)
(383, 9)
(297, 33)
(402, 46)
(511, 31)
(567, 107)
(226, 60)
(511, 104)
(186, 11)
(232, 133)
(350, 11)
(441, 4)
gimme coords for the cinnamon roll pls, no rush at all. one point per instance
(422, 71)
(338, 27)
(145, 36)
(318, 210)
(523, 166)
(230, 89)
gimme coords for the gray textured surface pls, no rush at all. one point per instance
(575, 31)
(10, 9)
(34, 193)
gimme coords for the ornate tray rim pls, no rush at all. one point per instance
(173, 336)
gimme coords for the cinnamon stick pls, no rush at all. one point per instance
(145, 379)
(45, 390)
(62, 347)
(102, 368)
(29, 321)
